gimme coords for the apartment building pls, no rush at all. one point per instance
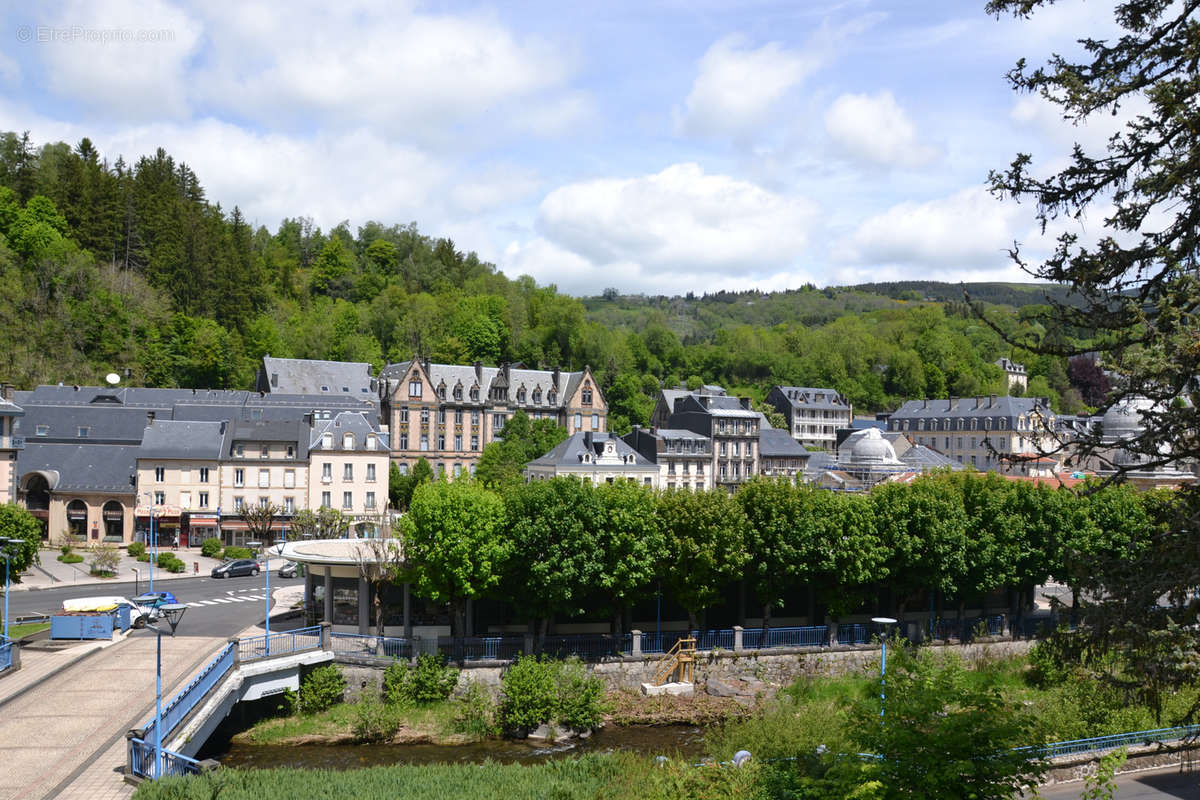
(9, 444)
(780, 456)
(447, 413)
(684, 458)
(348, 467)
(733, 428)
(813, 415)
(988, 433)
(595, 458)
(179, 478)
(1014, 373)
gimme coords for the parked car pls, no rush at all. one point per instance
(239, 566)
(288, 570)
(156, 599)
(139, 614)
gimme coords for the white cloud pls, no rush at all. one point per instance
(875, 128)
(967, 232)
(677, 230)
(411, 74)
(737, 86)
(125, 59)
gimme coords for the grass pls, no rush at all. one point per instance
(71, 558)
(432, 723)
(19, 631)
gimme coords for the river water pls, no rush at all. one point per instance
(674, 741)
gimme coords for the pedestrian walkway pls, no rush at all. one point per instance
(52, 573)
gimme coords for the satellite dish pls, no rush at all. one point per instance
(112, 378)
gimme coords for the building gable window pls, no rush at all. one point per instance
(586, 394)
(414, 387)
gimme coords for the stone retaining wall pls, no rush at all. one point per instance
(1069, 769)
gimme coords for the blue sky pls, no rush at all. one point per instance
(657, 147)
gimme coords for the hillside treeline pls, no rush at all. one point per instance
(114, 266)
(961, 536)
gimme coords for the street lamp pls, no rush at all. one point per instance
(884, 622)
(172, 612)
(267, 573)
(5, 544)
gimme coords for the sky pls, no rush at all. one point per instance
(656, 147)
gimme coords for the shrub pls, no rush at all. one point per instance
(69, 557)
(475, 713)
(144, 558)
(66, 550)
(170, 562)
(430, 681)
(374, 721)
(106, 558)
(238, 552)
(321, 689)
(580, 696)
(211, 547)
(136, 549)
(530, 695)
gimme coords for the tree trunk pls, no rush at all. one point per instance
(618, 613)
(543, 627)
(766, 624)
(692, 621)
(458, 617)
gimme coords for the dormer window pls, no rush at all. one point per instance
(370, 441)
(537, 397)
(442, 392)
(348, 441)
(552, 397)
(521, 395)
(474, 394)
(458, 392)
(326, 441)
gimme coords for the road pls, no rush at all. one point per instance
(1163, 784)
(215, 607)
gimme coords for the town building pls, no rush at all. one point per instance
(731, 425)
(1018, 380)
(10, 444)
(779, 455)
(684, 458)
(595, 458)
(97, 463)
(447, 413)
(813, 415)
(664, 404)
(988, 433)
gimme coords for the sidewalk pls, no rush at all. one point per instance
(81, 754)
(52, 573)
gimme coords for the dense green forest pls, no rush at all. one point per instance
(130, 266)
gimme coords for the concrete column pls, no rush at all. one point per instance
(737, 638)
(236, 658)
(16, 657)
(407, 613)
(833, 633)
(637, 643)
(310, 608)
(326, 635)
(329, 594)
(364, 606)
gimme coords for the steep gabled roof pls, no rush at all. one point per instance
(310, 376)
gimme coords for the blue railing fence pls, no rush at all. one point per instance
(141, 760)
(6, 654)
(251, 648)
(178, 707)
(1112, 742)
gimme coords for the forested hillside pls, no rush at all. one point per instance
(109, 266)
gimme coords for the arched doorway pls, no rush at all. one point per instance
(77, 519)
(114, 521)
(37, 500)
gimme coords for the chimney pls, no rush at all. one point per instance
(223, 424)
(149, 418)
(925, 403)
(978, 400)
(425, 364)
(479, 372)
(991, 401)
(310, 418)
(6, 391)
(587, 440)
(745, 401)
(953, 403)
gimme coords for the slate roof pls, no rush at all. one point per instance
(348, 422)
(452, 375)
(115, 425)
(1009, 408)
(309, 376)
(777, 443)
(184, 439)
(10, 409)
(291, 432)
(569, 453)
(99, 468)
(809, 397)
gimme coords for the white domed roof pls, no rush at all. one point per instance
(870, 447)
(1123, 420)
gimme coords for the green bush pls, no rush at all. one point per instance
(70, 558)
(530, 695)
(580, 696)
(474, 712)
(238, 552)
(66, 550)
(136, 549)
(144, 558)
(170, 562)
(211, 547)
(430, 681)
(321, 689)
(374, 721)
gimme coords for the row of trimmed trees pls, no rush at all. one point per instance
(552, 548)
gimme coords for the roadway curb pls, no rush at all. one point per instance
(59, 669)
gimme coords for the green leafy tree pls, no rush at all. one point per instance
(704, 547)
(556, 553)
(17, 523)
(454, 543)
(502, 462)
(944, 735)
(630, 544)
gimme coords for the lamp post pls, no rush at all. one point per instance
(172, 612)
(5, 544)
(267, 574)
(884, 622)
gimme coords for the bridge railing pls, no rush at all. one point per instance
(253, 648)
(6, 654)
(141, 761)
(1112, 742)
(179, 706)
